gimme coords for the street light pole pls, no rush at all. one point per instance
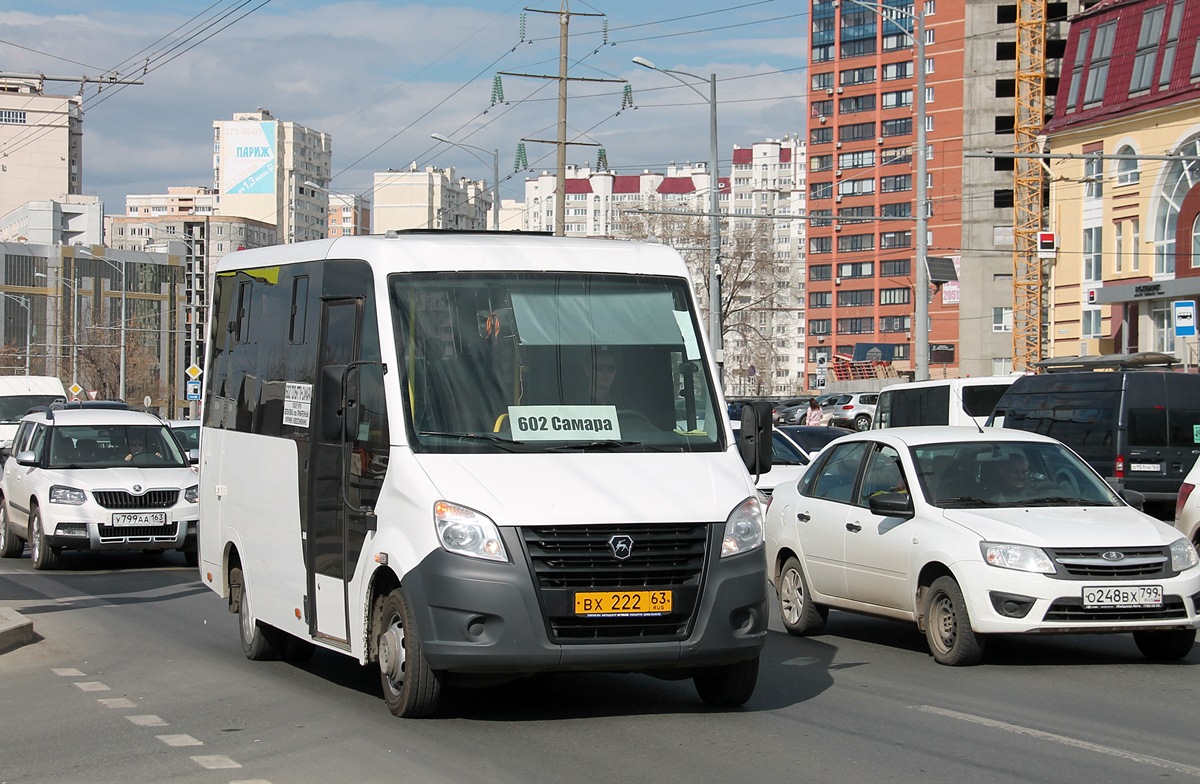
(920, 327)
(23, 301)
(495, 173)
(715, 331)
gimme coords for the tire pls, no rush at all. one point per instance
(728, 685)
(295, 650)
(259, 641)
(11, 545)
(862, 422)
(410, 688)
(43, 555)
(800, 616)
(948, 626)
(191, 557)
(1171, 645)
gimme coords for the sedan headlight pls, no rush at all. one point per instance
(1017, 556)
(467, 532)
(67, 495)
(192, 494)
(743, 528)
(1183, 555)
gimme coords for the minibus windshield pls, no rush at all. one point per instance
(552, 361)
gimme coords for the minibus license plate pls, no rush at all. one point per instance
(1124, 596)
(1145, 467)
(623, 603)
(139, 518)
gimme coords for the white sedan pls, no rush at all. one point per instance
(969, 532)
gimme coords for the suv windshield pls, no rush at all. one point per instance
(110, 446)
(552, 361)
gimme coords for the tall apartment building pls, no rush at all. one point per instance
(862, 194)
(349, 214)
(431, 198)
(41, 144)
(262, 170)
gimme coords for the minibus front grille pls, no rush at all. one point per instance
(570, 559)
(120, 499)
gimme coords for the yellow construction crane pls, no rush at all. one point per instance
(1028, 297)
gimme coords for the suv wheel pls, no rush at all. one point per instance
(11, 545)
(42, 554)
(862, 422)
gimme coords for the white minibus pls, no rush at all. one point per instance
(943, 401)
(465, 457)
(18, 394)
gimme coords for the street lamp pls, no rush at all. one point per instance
(921, 314)
(714, 215)
(495, 173)
(23, 301)
(124, 314)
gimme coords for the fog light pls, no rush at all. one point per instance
(1011, 605)
(193, 526)
(71, 529)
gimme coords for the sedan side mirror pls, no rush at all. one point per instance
(892, 505)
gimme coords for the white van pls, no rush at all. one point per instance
(945, 401)
(18, 394)
(415, 452)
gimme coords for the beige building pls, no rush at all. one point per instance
(74, 219)
(41, 144)
(349, 214)
(432, 198)
(273, 171)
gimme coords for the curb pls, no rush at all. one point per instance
(15, 629)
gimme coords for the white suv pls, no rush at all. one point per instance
(96, 477)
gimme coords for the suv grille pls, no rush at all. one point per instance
(153, 499)
(566, 559)
(1090, 563)
(1071, 609)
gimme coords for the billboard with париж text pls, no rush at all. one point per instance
(248, 157)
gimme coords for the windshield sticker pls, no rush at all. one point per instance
(297, 404)
(564, 423)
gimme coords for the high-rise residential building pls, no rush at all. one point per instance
(1125, 272)
(41, 144)
(862, 166)
(349, 214)
(273, 171)
(69, 221)
(430, 198)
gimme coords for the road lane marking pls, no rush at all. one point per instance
(215, 762)
(66, 672)
(117, 702)
(1158, 762)
(92, 686)
(179, 740)
(147, 720)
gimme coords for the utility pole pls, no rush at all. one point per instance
(560, 187)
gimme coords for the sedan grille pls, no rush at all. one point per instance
(1072, 609)
(566, 559)
(120, 499)
(1112, 563)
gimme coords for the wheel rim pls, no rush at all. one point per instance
(3, 527)
(943, 622)
(863, 423)
(35, 539)
(246, 614)
(791, 596)
(391, 654)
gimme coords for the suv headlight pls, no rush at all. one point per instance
(467, 532)
(67, 495)
(1016, 556)
(192, 494)
(743, 528)
(1183, 555)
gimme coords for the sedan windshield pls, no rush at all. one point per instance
(978, 474)
(110, 446)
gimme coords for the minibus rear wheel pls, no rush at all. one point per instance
(410, 688)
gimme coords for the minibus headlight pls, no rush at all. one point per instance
(467, 532)
(67, 495)
(1183, 555)
(743, 528)
(1016, 556)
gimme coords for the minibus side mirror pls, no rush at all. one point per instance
(755, 445)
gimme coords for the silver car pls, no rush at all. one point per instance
(856, 411)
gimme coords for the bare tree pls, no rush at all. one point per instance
(98, 356)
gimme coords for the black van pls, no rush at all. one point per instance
(1140, 429)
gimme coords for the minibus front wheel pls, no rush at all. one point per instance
(410, 688)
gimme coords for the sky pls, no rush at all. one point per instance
(380, 77)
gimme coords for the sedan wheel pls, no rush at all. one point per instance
(948, 626)
(800, 616)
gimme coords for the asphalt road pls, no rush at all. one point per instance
(136, 675)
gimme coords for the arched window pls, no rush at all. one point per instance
(1179, 177)
(1127, 168)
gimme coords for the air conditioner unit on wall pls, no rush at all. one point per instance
(829, 91)
(879, 140)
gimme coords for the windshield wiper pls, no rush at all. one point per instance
(1061, 500)
(964, 501)
(590, 445)
(491, 438)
